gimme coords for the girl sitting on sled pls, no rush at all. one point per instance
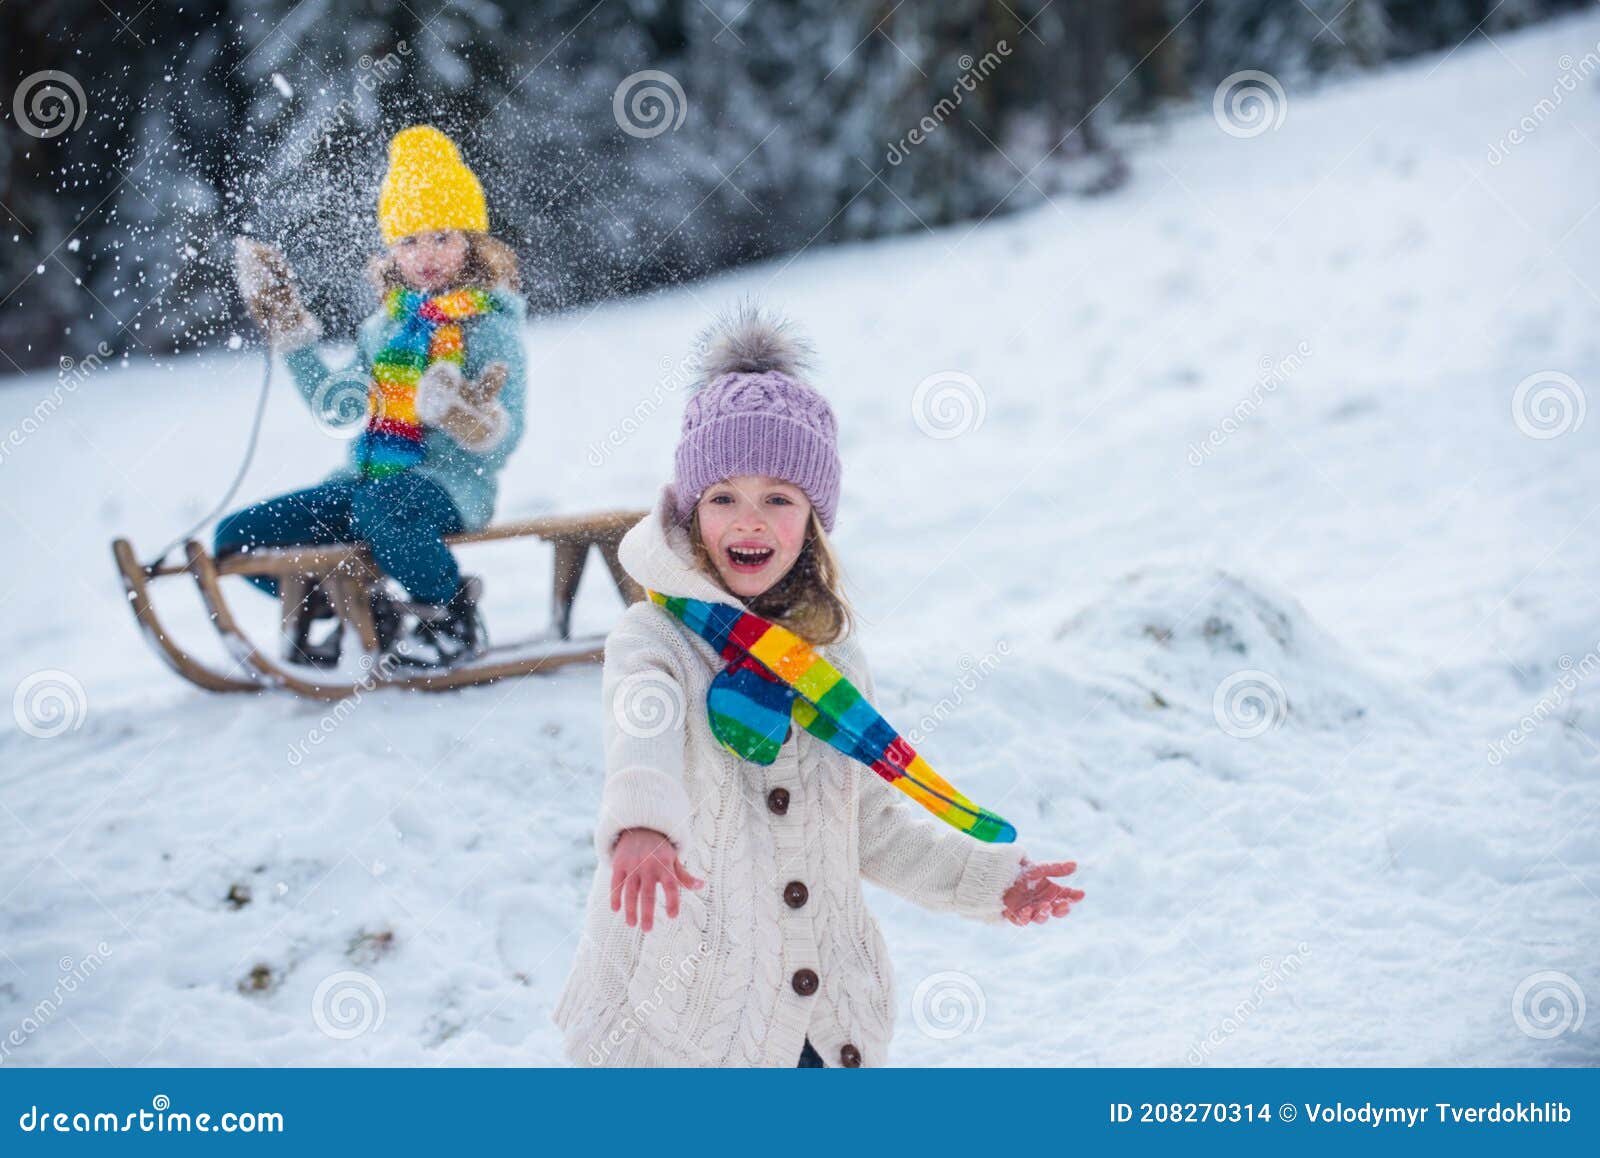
(741, 738)
(442, 365)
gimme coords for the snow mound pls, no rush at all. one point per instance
(1207, 641)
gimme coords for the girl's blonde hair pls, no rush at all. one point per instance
(490, 264)
(809, 600)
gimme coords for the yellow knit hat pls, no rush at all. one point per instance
(428, 187)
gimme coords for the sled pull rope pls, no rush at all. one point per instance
(244, 465)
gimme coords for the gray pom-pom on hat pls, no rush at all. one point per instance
(751, 340)
(752, 415)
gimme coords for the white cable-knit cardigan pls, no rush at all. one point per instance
(753, 964)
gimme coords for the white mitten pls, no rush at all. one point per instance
(468, 411)
(267, 285)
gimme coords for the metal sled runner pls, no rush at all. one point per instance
(348, 573)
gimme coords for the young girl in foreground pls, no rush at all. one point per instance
(770, 959)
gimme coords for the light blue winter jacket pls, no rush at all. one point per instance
(467, 477)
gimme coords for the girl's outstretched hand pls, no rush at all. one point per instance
(267, 285)
(1034, 898)
(642, 859)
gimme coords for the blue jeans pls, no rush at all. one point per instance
(810, 1059)
(403, 520)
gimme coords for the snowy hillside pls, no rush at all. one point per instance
(1306, 692)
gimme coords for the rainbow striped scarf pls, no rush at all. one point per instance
(774, 676)
(430, 331)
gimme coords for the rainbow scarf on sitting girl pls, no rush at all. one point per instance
(430, 331)
(773, 676)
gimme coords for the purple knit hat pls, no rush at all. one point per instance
(753, 415)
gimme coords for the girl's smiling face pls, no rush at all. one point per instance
(431, 261)
(753, 528)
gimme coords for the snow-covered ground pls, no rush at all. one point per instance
(1061, 598)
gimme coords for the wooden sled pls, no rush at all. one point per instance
(348, 573)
